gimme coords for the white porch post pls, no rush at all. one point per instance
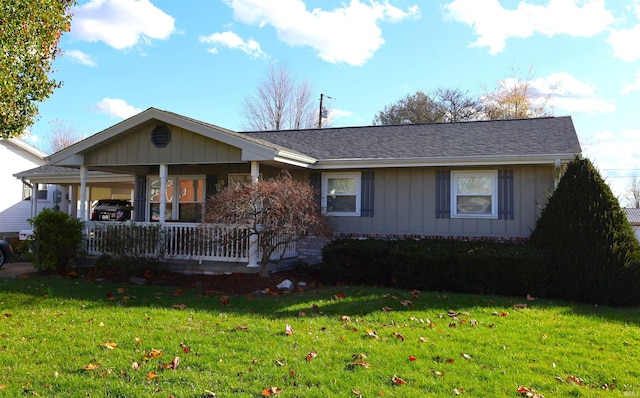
(83, 193)
(164, 172)
(254, 251)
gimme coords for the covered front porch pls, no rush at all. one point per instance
(168, 166)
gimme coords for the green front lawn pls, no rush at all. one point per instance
(72, 338)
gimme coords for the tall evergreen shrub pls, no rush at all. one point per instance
(591, 252)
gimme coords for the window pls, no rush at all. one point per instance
(474, 194)
(341, 194)
(191, 200)
(154, 199)
(185, 198)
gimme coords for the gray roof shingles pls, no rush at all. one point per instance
(517, 137)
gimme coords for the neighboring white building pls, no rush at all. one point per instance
(16, 206)
(633, 215)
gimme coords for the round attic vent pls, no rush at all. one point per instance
(161, 136)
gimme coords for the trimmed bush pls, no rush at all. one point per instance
(592, 254)
(56, 241)
(438, 265)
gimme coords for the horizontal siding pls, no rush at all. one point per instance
(406, 205)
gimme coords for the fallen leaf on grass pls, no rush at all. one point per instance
(135, 365)
(372, 334)
(465, 356)
(171, 365)
(359, 356)
(109, 346)
(357, 392)
(412, 358)
(406, 302)
(288, 330)
(529, 392)
(502, 313)
(179, 306)
(152, 375)
(437, 372)
(387, 309)
(399, 336)
(224, 300)
(312, 355)
(268, 392)
(91, 366)
(397, 381)
(340, 296)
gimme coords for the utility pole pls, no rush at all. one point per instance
(321, 112)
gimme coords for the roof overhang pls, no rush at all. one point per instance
(252, 150)
(466, 161)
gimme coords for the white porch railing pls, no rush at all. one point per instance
(180, 241)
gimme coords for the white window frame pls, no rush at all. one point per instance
(175, 194)
(325, 185)
(457, 174)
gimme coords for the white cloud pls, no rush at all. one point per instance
(626, 43)
(80, 57)
(348, 34)
(116, 107)
(232, 40)
(494, 24)
(121, 23)
(571, 94)
(617, 157)
(634, 86)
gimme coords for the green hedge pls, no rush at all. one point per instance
(438, 265)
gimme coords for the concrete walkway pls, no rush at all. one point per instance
(14, 270)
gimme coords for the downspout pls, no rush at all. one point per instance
(557, 174)
(30, 186)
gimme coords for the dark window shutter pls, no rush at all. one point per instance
(366, 193)
(315, 180)
(443, 194)
(505, 195)
(210, 185)
(140, 198)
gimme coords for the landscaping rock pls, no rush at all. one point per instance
(138, 281)
(285, 285)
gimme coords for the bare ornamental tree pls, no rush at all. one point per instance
(276, 211)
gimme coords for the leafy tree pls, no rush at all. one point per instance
(415, 108)
(443, 105)
(280, 103)
(277, 211)
(592, 253)
(516, 98)
(30, 32)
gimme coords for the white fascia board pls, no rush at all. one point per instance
(441, 162)
(28, 147)
(295, 159)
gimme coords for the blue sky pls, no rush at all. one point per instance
(201, 58)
